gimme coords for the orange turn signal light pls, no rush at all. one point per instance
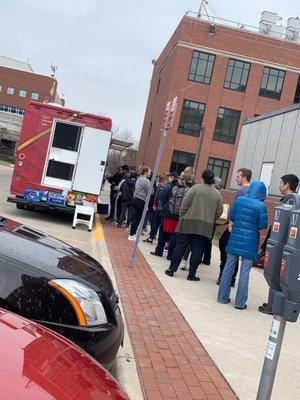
(76, 306)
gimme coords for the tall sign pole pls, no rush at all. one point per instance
(166, 125)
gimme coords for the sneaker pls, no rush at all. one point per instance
(265, 309)
(155, 254)
(148, 240)
(169, 272)
(218, 282)
(241, 308)
(132, 238)
(193, 278)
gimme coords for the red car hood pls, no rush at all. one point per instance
(38, 364)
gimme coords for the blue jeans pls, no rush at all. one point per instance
(225, 284)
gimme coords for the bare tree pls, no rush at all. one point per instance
(117, 157)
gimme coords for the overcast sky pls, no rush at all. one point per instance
(104, 48)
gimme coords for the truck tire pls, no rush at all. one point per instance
(20, 206)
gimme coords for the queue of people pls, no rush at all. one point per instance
(184, 215)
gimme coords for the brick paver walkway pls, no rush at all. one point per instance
(172, 363)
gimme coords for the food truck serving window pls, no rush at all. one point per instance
(60, 170)
(66, 136)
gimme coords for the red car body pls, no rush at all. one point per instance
(38, 364)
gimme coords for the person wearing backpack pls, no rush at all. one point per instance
(126, 190)
(172, 212)
(164, 197)
(199, 210)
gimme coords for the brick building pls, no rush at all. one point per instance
(221, 75)
(18, 85)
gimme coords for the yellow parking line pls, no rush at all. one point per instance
(97, 233)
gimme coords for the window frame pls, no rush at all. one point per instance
(271, 94)
(190, 157)
(230, 81)
(211, 167)
(184, 116)
(230, 137)
(33, 97)
(8, 91)
(209, 78)
(23, 91)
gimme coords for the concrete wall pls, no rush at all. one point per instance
(271, 139)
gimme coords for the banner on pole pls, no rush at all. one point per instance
(169, 114)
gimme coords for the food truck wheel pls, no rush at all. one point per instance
(20, 206)
(29, 207)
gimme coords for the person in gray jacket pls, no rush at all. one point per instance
(199, 210)
(142, 187)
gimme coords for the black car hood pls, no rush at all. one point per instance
(50, 257)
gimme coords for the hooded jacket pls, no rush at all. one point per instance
(249, 216)
(127, 190)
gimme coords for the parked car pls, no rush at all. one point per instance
(61, 287)
(38, 364)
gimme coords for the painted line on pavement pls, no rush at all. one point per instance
(97, 233)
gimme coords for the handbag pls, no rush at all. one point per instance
(223, 219)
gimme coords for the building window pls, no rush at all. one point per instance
(34, 96)
(191, 118)
(10, 90)
(271, 83)
(237, 75)
(220, 168)
(22, 93)
(201, 67)
(226, 125)
(297, 93)
(181, 160)
(11, 109)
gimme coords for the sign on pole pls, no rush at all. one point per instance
(167, 123)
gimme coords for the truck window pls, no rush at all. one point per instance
(66, 136)
(60, 170)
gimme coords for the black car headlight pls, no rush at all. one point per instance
(85, 301)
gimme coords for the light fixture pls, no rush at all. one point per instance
(212, 29)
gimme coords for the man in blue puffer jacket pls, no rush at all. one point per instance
(248, 215)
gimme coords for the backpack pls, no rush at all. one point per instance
(178, 194)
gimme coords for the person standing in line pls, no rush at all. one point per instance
(288, 185)
(164, 197)
(198, 212)
(114, 188)
(126, 190)
(248, 215)
(142, 187)
(157, 206)
(243, 179)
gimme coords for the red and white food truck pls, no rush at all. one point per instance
(61, 158)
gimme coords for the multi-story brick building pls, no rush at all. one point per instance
(221, 75)
(18, 85)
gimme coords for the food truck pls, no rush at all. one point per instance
(61, 158)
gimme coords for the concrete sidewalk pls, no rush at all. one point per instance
(235, 340)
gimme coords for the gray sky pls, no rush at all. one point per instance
(104, 47)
